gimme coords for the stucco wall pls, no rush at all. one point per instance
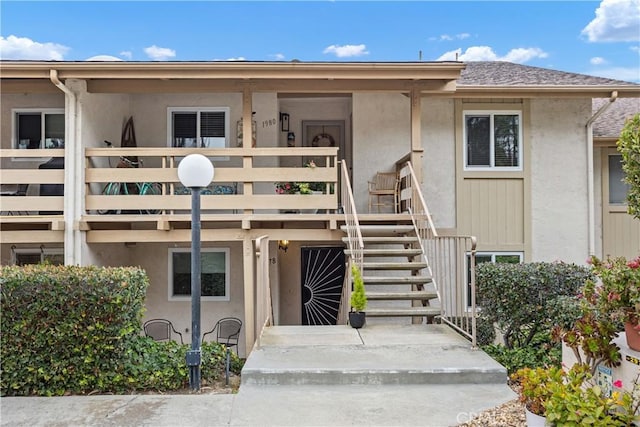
(381, 136)
(16, 101)
(559, 214)
(154, 258)
(439, 161)
(300, 109)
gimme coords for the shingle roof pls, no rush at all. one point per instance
(497, 73)
(611, 122)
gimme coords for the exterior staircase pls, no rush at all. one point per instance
(395, 273)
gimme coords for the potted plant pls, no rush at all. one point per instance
(576, 400)
(616, 294)
(535, 388)
(357, 315)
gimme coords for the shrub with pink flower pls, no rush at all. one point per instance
(616, 293)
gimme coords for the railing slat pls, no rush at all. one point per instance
(446, 257)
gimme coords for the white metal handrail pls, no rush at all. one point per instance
(447, 258)
(354, 238)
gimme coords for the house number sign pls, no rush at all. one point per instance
(269, 123)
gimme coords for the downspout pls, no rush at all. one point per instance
(590, 177)
(71, 250)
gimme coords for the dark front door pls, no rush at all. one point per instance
(322, 278)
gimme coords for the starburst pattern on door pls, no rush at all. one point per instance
(322, 278)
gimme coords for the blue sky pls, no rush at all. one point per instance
(592, 37)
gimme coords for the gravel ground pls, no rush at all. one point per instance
(511, 414)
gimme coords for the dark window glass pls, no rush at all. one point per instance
(506, 140)
(478, 141)
(213, 274)
(618, 189)
(30, 128)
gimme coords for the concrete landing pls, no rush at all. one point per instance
(380, 375)
(373, 355)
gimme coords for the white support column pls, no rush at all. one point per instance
(416, 133)
(249, 293)
(247, 140)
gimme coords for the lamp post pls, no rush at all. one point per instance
(195, 172)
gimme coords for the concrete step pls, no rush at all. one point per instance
(403, 312)
(374, 355)
(385, 239)
(384, 230)
(388, 252)
(410, 295)
(394, 265)
(398, 280)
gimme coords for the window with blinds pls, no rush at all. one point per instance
(38, 128)
(199, 127)
(492, 140)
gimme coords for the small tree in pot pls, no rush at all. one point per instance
(357, 316)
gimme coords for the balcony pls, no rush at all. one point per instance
(31, 199)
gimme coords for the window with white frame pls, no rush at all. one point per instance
(38, 128)
(26, 256)
(618, 188)
(198, 127)
(495, 257)
(493, 140)
(215, 278)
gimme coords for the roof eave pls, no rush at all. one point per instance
(570, 91)
(231, 69)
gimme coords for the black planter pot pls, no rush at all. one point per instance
(357, 319)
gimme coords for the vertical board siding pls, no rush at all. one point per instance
(622, 235)
(493, 210)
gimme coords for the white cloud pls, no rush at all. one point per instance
(486, 53)
(347, 50)
(635, 49)
(447, 37)
(127, 54)
(103, 58)
(239, 58)
(615, 21)
(598, 60)
(618, 73)
(277, 56)
(521, 55)
(14, 47)
(159, 53)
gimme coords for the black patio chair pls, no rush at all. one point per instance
(227, 332)
(160, 330)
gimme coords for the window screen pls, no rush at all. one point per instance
(618, 189)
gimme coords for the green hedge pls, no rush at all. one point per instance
(520, 298)
(76, 330)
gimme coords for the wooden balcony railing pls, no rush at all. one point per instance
(38, 171)
(244, 180)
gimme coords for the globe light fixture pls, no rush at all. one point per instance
(196, 172)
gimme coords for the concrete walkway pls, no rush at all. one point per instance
(416, 375)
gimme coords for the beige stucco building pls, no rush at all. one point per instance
(521, 158)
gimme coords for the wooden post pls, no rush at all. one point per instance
(249, 293)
